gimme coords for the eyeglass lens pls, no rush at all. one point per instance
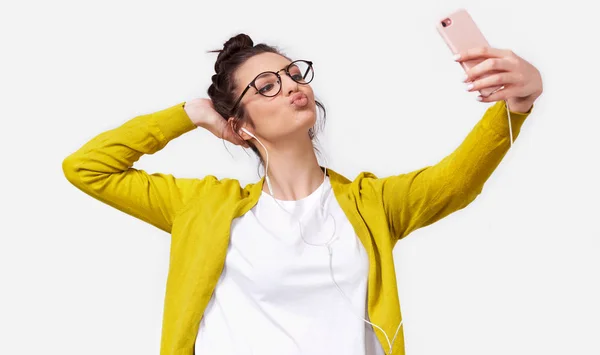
(268, 84)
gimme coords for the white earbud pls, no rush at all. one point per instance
(248, 133)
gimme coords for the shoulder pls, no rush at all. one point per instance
(230, 189)
(226, 187)
(213, 192)
(361, 177)
(364, 183)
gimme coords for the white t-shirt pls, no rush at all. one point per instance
(276, 296)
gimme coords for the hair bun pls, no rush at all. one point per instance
(233, 45)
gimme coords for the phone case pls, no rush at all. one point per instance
(460, 33)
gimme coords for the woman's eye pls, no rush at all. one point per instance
(297, 77)
(265, 88)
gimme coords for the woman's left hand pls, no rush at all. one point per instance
(522, 81)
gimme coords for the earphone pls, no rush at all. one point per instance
(327, 244)
(332, 239)
(509, 123)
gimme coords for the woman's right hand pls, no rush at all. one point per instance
(202, 113)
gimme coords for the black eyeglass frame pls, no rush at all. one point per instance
(287, 72)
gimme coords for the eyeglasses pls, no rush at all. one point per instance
(269, 83)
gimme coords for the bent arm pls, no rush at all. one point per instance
(424, 196)
(102, 168)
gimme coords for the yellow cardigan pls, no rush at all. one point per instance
(198, 212)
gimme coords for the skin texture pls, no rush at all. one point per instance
(522, 81)
(283, 127)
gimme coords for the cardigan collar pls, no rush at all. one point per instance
(252, 192)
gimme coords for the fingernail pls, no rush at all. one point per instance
(465, 78)
(469, 87)
(456, 56)
(479, 98)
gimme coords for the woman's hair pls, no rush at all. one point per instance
(222, 91)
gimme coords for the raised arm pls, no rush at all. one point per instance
(102, 168)
(421, 197)
(426, 195)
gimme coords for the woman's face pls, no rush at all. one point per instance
(292, 112)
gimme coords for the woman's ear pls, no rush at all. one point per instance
(240, 133)
(246, 132)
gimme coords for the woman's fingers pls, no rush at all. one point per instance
(494, 80)
(502, 94)
(489, 66)
(520, 81)
(482, 53)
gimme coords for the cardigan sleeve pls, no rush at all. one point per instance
(426, 195)
(102, 168)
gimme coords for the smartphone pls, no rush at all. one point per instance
(460, 33)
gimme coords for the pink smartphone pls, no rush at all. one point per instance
(460, 33)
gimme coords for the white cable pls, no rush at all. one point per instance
(288, 212)
(351, 306)
(509, 124)
(328, 245)
(390, 344)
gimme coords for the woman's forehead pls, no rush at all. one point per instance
(261, 63)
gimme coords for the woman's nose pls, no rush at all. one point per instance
(289, 86)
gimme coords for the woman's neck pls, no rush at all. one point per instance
(293, 173)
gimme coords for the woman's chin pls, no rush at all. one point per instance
(305, 119)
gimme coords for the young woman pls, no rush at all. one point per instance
(300, 262)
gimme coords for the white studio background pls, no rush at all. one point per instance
(516, 272)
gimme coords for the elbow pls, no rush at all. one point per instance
(69, 167)
(78, 174)
(467, 193)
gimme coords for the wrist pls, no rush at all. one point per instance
(520, 105)
(196, 119)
